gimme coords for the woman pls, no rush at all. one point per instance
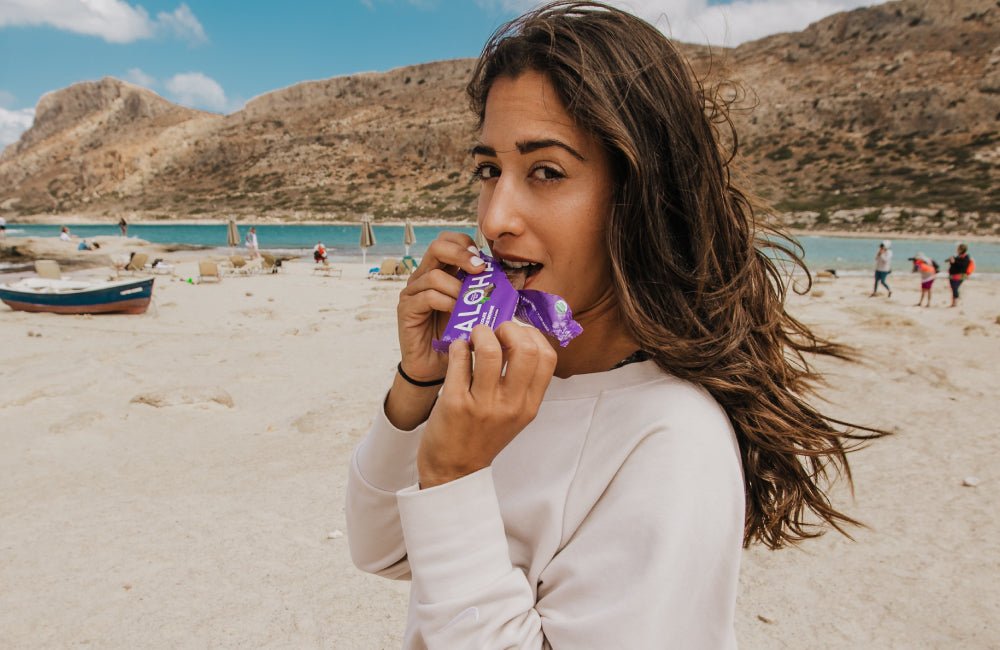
(960, 266)
(927, 269)
(251, 243)
(883, 267)
(597, 495)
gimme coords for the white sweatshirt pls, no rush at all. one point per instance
(614, 520)
(883, 260)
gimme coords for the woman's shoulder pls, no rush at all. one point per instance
(641, 400)
(658, 396)
(654, 434)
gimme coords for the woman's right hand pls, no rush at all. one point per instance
(428, 299)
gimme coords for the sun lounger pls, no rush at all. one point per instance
(269, 263)
(391, 269)
(208, 270)
(137, 264)
(238, 265)
(48, 269)
(409, 264)
(327, 269)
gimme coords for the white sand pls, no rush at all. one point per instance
(173, 479)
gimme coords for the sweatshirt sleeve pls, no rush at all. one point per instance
(467, 594)
(383, 463)
(653, 563)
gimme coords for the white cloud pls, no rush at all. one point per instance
(198, 90)
(116, 21)
(6, 99)
(695, 21)
(139, 78)
(14, 123)
(182, 24)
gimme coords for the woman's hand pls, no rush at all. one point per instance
(481, 409)
(424, 305)
(427, 300)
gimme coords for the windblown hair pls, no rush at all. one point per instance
(701, 280)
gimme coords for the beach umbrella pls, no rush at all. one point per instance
(409, 237)
(367, 237)
(232, 234)
(480, 239)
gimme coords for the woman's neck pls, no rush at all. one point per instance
(604, 342)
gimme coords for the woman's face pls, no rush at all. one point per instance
(545, 196)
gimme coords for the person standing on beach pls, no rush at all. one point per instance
(3, 228)
(960, 266)
(927, 269)
(251, 242)
(596, 495)
(123, 226)
(883, 266)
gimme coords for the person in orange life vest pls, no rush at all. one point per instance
(960, 267)
(928, 270)
(319, 253)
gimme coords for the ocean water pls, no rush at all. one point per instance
(847, 255)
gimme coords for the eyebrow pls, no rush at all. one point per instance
(528, 147)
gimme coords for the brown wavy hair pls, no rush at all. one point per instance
(701, 278)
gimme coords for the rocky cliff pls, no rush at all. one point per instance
(894, 105)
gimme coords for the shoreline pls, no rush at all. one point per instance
(439, 223)
(893, 234)
(81, 220)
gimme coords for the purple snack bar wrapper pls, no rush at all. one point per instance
(549, 313)
(488, 298)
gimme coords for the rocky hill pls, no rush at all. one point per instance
(883, 118)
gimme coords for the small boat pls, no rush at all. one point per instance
(78, 296)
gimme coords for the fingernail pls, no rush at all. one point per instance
(473, 250)
(477, 261)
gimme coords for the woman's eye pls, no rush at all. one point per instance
(546, 174)
(485, 172)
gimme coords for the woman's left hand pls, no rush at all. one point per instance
(481, 409)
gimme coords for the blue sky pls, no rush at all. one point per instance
(217, 54)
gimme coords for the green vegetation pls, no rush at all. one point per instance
(782, 153)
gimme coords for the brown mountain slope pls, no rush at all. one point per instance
(897, 104)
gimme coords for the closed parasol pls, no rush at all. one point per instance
(232, 234)
(367, 237)
(409, 237)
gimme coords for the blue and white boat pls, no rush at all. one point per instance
(78, 296)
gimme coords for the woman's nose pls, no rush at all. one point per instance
(500, 212)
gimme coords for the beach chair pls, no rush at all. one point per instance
(48, 269)
(237, 265)
(269, 263)
(409, 264)
(137, 264)
(388, 271)
(326, 269)
(208, 270)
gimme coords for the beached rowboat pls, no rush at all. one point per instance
(78, 296)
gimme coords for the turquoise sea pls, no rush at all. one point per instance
(848, 255)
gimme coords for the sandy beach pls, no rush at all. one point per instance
(176, 479)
